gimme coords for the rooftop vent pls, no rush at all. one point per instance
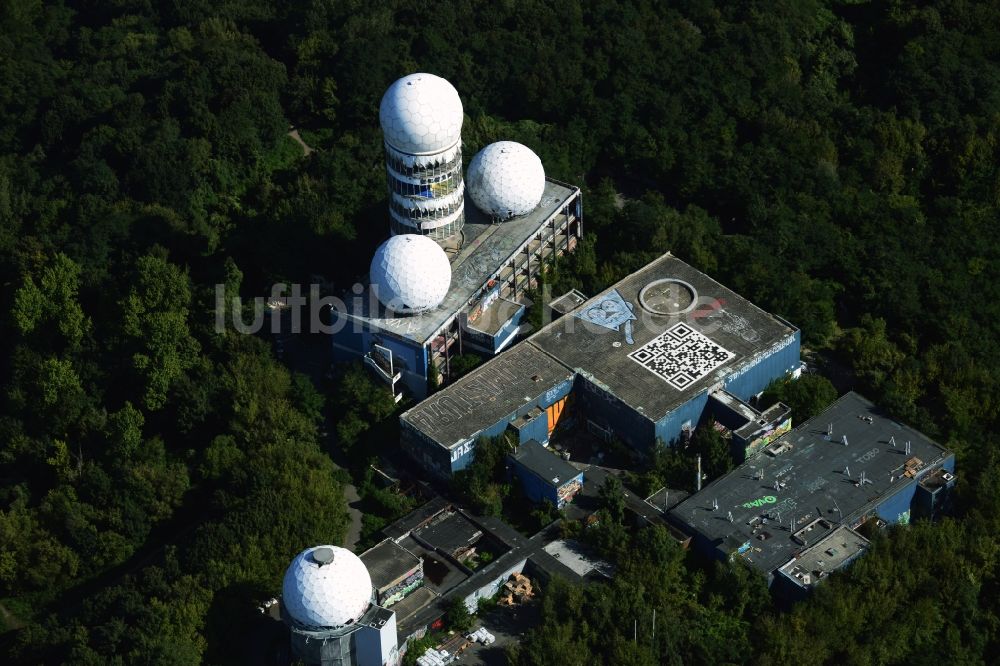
(323, 556)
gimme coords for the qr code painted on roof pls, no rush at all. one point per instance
(681, 356)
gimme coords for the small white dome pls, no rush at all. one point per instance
(326, 586)
(505, 179)
(421, 114)
(410, 273)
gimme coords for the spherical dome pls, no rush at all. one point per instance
(410, 273)
(326, 586)
(505, 179)
(421, 114)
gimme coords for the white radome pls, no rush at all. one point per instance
(410, 273)
(328, 594)
(421, 114)
(505, 179)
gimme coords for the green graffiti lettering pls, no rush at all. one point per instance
(767, 499)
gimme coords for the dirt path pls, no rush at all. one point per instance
(354, 528)
(10, 620)
(294, 133)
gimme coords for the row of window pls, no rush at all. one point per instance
(437, 233)
(427, 171)
(418, 214)
(429, 190)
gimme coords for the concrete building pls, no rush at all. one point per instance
(786, 507)
(835, 551)
(329, 606)
(643, 362)
(543, 475)
(395, 571)
(495, 253)
(492, 266)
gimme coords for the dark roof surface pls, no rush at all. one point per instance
(834, 551)
(487, 395)
(416, 610)
(813, 482)
(419, 516)
(551, 468)
(449, 532)
(387, 562)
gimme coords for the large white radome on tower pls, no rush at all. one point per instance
(410, 273)
(326, 586)
(505, 179)
(421, 114)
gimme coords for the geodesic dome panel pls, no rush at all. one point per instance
(421, 114)
(505, 179)
(410, 273)
(326, 586)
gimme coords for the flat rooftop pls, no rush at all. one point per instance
(487, 395)
(440, 575)
(569, 301)
(388, 562)
(665, 499)
(496, 316)
(811, 478)
(449, 532)
(738, 406)
(416, 610)
(551, 468)
(380, 617)
(420, 516)
(827, 556)
(486, 247)
(578, 558)
(661, 335)
(653, 362)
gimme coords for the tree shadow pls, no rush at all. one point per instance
(238, 633)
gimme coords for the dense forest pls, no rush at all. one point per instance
(836, 162)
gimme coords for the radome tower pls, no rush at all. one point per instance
(421, 117)
(328, 604)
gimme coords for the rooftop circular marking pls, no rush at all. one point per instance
(668, 296)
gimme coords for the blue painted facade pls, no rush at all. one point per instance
(609, 411)
(539, 490)
(506, 335)
(895, 509)
(670, 428)
(428, 453)
(770, 364)
(461, 455)
(408, 357)
(640, 432)
(498, 342)
(898, 509)
(534, 425)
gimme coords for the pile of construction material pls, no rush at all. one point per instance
(482, 636)
(435, 658)
(517, 590)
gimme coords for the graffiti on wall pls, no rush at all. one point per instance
(760, 356)
(765, 440)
